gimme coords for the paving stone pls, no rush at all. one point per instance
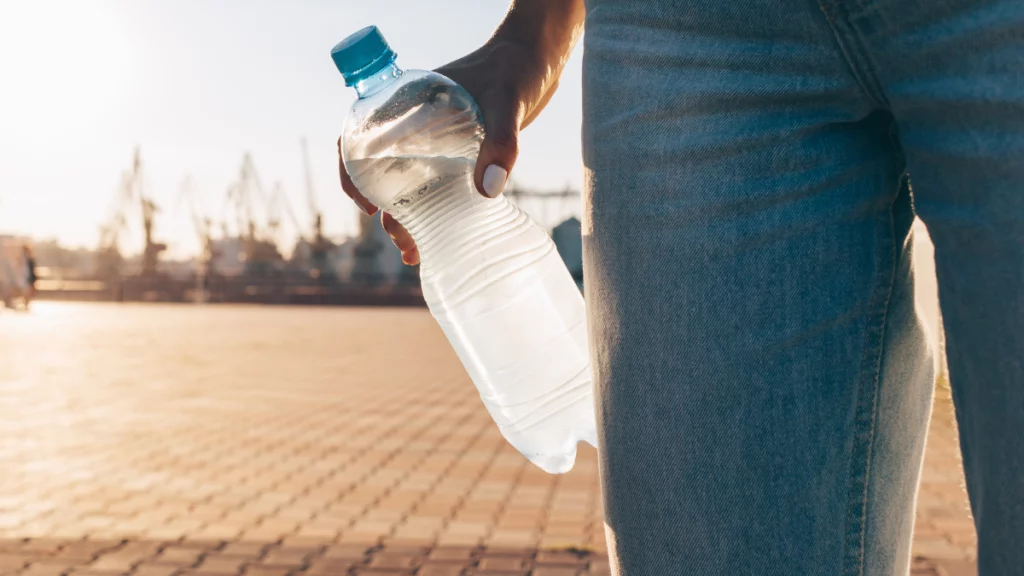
(156, 570)
(245, 549)
(385, 560)
(47, 567)
(558, 558)
(345, 551)
(116, 562)
(503, 564)
(922, 567)
(84, 551)
(441, 569)
(222, 565)
(223, 441)
(178, 556)
(10, 562)
(555, 571)
(331, 567)
(370, 571)
(599, 567)
(956, 568)
(270, 571)
(285, 558)
(42, 545)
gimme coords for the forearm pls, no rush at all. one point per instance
(550, 28)
(548, 31)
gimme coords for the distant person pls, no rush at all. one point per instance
(15, 289)
(8, 281)
(31, 276)
(763, 382)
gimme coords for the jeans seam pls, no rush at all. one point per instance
(857, 57)
(867, 402)
(872, 70)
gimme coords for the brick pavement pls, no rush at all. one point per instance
(189, 441)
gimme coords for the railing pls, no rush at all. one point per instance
(279, 289)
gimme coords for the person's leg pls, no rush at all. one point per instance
(763, 384)
(953, 71)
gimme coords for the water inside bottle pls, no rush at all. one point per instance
(491, 277)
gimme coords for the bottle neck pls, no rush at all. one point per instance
(379, 81)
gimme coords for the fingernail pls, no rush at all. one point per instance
(494, 180)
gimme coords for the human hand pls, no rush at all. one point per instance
(511, 77)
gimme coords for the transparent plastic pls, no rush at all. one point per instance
(491, 277)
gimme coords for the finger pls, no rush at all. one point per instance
(350, 189)
(399, 235)
(501, 143)
(401, 239)
(412, 257)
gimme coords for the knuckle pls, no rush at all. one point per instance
(504, 138)
(391, 226)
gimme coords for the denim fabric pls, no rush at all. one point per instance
(753, 169)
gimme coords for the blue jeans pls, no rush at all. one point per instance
(753, 169)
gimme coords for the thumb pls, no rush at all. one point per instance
(500, 147)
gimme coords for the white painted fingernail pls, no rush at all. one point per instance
(494, 180)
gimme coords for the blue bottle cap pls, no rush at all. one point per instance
(362, 55)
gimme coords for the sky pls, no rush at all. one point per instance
(198, 83)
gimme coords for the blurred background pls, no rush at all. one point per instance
(162, 159)
(180, 151)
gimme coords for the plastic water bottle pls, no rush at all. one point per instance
(491, 277)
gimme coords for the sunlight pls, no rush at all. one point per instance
(71, 63)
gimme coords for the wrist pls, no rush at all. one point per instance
(548, 35)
